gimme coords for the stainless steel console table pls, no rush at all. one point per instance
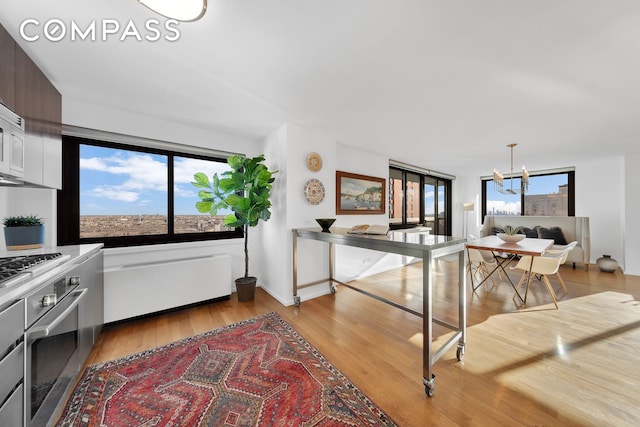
(421, 245)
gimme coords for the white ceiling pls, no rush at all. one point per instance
(441, 84)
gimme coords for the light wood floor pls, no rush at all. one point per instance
(533, 365)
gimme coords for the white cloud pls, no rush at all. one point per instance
(189, 191)
(184, 168)
(93, 163)
(141, 173)
(114, 193)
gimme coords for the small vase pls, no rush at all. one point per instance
(607, 264)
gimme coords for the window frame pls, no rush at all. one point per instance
(439, 180)
(571, 190)
(68, 209)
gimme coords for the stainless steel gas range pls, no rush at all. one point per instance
(50, 305)
(18, 269)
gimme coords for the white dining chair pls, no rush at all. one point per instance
(544, 266)
(482, 263)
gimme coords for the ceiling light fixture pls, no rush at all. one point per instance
(181, 10)
(498, 179)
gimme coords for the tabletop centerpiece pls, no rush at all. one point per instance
(511, 234)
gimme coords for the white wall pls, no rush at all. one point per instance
(92, 116)
(273, 239)
(30, 201)
(600, 195)
(288, 148)
(352, 263)
(631, 219)
(466, 189)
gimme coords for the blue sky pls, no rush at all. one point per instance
(121, 182)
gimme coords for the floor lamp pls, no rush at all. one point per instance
(467, 207)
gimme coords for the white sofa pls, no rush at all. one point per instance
(573, 228)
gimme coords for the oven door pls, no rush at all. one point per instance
(52, 358)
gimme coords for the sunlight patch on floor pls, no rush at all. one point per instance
(564, 355)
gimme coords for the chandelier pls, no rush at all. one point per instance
(498, 179)
(180, 10)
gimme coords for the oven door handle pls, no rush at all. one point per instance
(43, 331)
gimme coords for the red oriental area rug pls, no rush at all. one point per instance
(258, 372)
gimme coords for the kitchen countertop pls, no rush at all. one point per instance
(77, 253)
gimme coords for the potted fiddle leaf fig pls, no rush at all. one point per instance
(23, 232)
(245, 190)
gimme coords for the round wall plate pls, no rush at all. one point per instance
(314, 191)
(314, 162)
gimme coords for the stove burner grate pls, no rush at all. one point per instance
(14, 265)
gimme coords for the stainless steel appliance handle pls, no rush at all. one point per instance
(43, 331)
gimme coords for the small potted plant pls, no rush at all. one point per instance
(245, 190)
(23, 232)
(511, 230)
(511, 234)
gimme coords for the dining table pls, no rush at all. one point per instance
(505, 252)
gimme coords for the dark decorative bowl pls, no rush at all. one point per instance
(325, 223)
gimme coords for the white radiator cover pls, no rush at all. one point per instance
(138, 289)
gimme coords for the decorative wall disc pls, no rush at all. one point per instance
(314, 162)
(314, 191)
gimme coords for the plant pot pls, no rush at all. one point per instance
(607, 264)
(26, 237)
(246, 288)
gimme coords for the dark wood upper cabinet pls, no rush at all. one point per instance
(26, 90)
(32, 96)
(29, 93)
(7, 69)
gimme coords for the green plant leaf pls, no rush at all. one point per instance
(232, 221)
(245, 189)
(236, 162)
(205, 195)
(22, 221)
(204, 207)
(201, 180)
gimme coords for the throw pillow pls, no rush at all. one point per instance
(496, 230)
(554, 233)
(531, 233)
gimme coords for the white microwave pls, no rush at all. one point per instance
(12, 135)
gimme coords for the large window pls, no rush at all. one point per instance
(548, 194)
(419, 199)
(124, 195)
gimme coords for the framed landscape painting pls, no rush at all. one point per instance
(359, 194)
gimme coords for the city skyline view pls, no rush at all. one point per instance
(508, 203)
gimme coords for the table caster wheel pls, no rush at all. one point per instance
(430, 386)
(333, 289)
(429, 390)
(296, 301)
(460, 353)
